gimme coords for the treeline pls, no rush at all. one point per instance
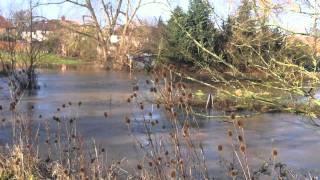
(243, 41)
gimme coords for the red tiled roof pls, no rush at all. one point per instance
(50, 25)
(4, 23)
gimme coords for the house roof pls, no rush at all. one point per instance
(50, 25)
(4, 23)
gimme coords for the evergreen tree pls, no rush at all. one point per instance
(201, 28)
(242, 45)
(175, 35)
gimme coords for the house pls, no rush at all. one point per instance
(5, 26)
(6, 36)
(40, 30)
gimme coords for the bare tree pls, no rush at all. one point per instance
(24, 55)
(105, 20)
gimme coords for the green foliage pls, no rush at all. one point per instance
(197, 22)
(175, 35)
(201, 28)
(53, 59)
(52, 44)
(46, 59)
(299, 53)
(7, 38)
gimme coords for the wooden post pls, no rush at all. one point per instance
(209, 104)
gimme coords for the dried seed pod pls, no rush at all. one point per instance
(127, 120)
(139, 167)
(242, 148)
(240, 138)
(274, 152)
(164, 75)
(240, 123)
(173, 174)
(233, 173)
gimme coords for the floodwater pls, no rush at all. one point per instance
(297, 142)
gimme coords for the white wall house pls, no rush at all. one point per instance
(40, 30)
(37, 35)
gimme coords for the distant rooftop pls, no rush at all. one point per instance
(4, 23)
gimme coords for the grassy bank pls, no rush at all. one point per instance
(52, 59)
(45, 60)
(253, 90)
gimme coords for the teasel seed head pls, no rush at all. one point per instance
(139, 167)
(242, 148)
(274, 153)
(173, 174)
(240, 138)
(233, 173)
(128, 121)
(240, 123)
(229, 133)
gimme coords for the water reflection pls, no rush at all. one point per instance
(106, 91)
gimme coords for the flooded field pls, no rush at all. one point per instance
(100, 91)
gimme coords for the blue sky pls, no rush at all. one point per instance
(223, 8)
